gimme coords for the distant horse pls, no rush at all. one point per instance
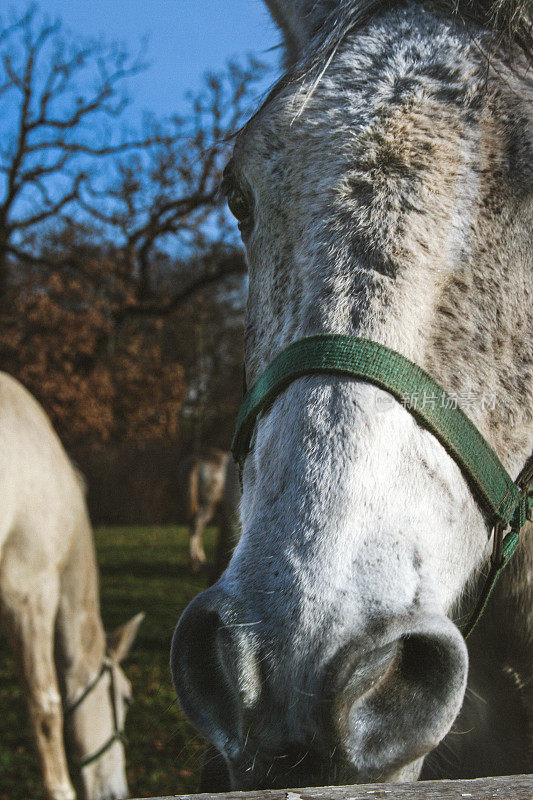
(384, 192)
(210, 484)
(49, 607)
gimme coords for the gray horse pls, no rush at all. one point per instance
(383, 190)
(50, 610)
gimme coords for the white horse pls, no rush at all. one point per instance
(384, 190)
(203, 480)
(49, 607)
(210, 484)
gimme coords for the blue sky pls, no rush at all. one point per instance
(186, 38)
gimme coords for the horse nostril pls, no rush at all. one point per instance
(213, 669)
(423, 662)
(403, 701)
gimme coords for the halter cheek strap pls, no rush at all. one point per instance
(118, 734)
(507, 503)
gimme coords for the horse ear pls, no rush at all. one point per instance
(120, 641)
(298, 20)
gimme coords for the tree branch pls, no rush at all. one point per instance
(227, 265)
(39, 260)
(52, 211)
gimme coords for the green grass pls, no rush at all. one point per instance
(141, 569)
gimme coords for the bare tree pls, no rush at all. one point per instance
(59, 102)
(163, 204)
(66, 163)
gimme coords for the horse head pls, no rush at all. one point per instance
(383, 190)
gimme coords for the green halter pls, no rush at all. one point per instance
(508, 504)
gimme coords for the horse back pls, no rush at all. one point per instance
(41, 495)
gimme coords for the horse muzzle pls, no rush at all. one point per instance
(384, 700)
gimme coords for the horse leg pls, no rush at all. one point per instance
(29, 618)
(196, 547)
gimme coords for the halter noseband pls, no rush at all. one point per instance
(508, 503)
(118, 733)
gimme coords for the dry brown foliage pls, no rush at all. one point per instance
(97, 384)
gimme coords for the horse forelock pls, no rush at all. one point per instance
(507, 25)
(509, 22)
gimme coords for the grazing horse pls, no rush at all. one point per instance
(383, 191)
(49, 607)
(210, 482)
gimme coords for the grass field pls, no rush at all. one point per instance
(141, 569)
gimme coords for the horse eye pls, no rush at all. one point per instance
(238, 204)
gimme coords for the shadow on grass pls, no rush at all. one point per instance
(152, 569)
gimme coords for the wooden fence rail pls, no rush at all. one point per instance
(511, 787)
